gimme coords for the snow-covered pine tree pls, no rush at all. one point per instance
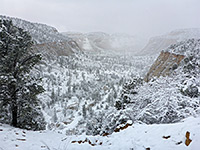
(18, 89)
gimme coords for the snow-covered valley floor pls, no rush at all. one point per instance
(135, 137)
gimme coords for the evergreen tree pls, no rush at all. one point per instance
(55, 118)
(19, 89)
(84, 111)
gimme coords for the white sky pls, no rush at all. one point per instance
(137, 17)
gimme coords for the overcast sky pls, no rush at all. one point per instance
(136, 17)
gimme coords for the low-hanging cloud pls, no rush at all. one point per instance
(136, 17)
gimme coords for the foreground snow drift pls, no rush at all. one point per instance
(136, 137)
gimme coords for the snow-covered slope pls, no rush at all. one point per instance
(40, 33)
(136, 137)
(47, 40)
(159, 43)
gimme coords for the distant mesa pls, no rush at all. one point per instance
(159, 43)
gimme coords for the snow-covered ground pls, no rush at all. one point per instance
(135, 137)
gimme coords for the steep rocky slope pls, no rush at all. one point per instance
(170, 59)
(47, 40)
(159, 43)
(55, 49)
(40, 33)
(164, 65)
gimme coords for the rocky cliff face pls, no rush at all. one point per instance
(64, 48)
(165, 63)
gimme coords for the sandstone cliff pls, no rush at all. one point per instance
(64, 48)
(165, 63)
